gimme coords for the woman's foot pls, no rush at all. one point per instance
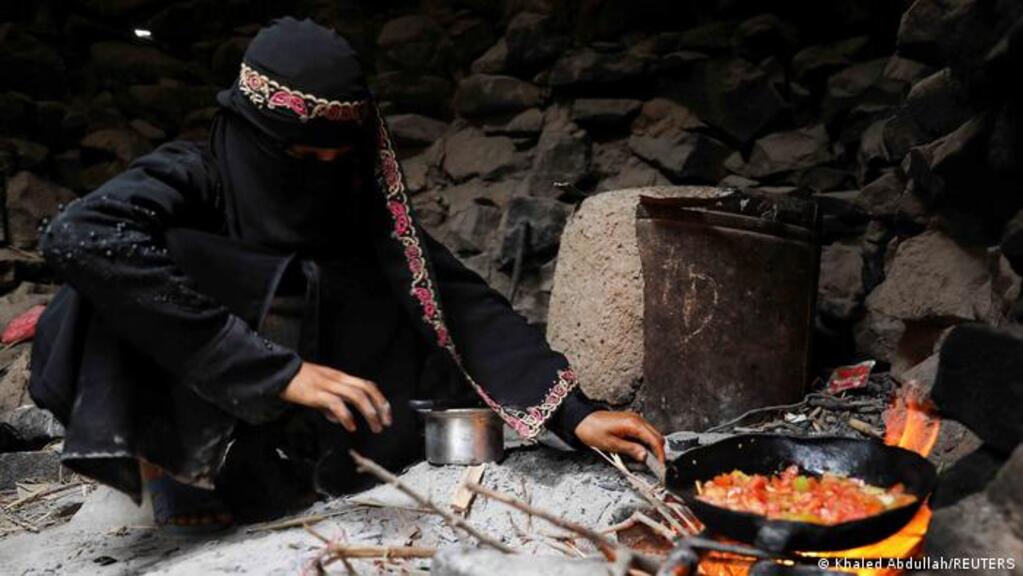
(183, 508)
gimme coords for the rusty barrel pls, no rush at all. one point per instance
(729, 296)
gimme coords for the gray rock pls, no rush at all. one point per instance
(732, 95)
(973, 528)
(562, 155)
(934, 279)
(136, 63)
(786, 151)
(485, 95)
(43, 465)
(415, 129)
(474, 227)
(604, 113)
(493, 61)
(617, 168)
(147, 130)
(1012, 242)
(116, 143)
(411, 91)
(888, 198)
(33, 425)
(533, 40)
(878, 335)
(906, 70)
(528, 123)
(25, 153)
(596, 308)
(469, 152)
(30, 199)
(467, 561)
(817, 62)
(659, 115)
(683, 155)
(942, 169)
(14, 383)
(840, 290)
(872, 155)
(936, 31)
(935, 106)
(467, 38)
(764, 35)
(1006, 490)
(410, 42)
(546, 219)
(33, 66)
(712, 37)
(859, 85)
(589, 67)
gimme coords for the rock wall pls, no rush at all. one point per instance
(899, 117)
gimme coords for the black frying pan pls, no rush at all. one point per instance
(871, 461)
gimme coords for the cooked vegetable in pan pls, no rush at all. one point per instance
(792, 495)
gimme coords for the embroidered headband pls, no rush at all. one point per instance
(265, 92)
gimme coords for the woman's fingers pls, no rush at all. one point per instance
(360, 400)
(622, 446)
(653, 438)
(381, 403)
(336, 407)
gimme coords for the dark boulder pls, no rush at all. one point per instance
(487, 95)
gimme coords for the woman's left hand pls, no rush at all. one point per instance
(625, 432)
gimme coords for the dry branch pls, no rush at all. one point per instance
(598, 539)
(364, 464)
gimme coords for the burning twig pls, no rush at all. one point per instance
(602, 542)
(364, 464)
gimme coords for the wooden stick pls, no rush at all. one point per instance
(364, 464)
(370, 551)
(601, 541)
(462, 499)
(295, 522)
(654, 525)
(39, 494)
(861, 426)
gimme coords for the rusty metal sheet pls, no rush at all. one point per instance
(728, 314)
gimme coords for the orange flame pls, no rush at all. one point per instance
(912, 421)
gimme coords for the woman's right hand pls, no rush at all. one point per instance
(333, 392)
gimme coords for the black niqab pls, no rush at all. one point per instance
(273, 198)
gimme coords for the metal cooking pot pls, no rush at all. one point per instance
(461, 435)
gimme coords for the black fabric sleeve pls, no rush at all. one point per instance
(110, 247)
(505, 354)
(572, 411)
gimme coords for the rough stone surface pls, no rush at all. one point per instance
(562, 155)
(465, 561)
(840, 291)
(469, 152)
(33, 425)
(42, 465)
(934, 278)
(13, 384)
(30, 199)
(786, 151)
(684, 156)
(596, 310)
(546, 219)
(974, 528)
(415, 129)
(485, 94)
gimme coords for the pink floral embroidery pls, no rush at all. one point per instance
(289, 101)
(400, 214)
(425, 297)
(262, 91)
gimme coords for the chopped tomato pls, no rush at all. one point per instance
(791, 495)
